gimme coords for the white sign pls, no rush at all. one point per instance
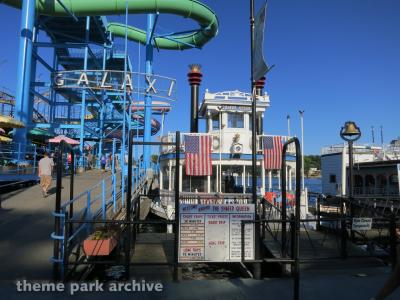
(361, 224)
(213, 232)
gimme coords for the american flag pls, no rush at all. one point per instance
(272, 152)
(198, 155)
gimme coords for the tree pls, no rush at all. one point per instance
(311, 161)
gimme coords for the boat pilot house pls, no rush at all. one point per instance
(225, 155)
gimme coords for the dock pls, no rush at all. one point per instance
(26, 223)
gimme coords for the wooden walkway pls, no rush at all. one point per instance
(153, 248)
(26, 223)
(322, 250)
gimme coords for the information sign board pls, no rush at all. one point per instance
(212, 232)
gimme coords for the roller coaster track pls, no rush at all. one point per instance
(8, 99)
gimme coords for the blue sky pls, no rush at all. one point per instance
(338, 60)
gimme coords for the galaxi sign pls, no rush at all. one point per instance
(116, 81)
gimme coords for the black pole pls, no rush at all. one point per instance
(129, 208)
(393, 242)
(71, 190)
(66, 252)
(283, 205)
(259, 129)
(292, 230)
(256, 266)
(176, 224)
(194, 78)
(56, 248)
(343, 230)
(318, 226)
(351, 181)
(296, 257)
(296, 238)
(194, 125)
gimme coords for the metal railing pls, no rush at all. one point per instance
(98, 205)
(99, 201)
(18, 159)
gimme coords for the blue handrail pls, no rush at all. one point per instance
(104, 192)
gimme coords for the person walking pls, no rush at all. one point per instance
(46, 165)
(69, 161)
(103, 161)
(90, 160)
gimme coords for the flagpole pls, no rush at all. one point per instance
(256, 266)
(302, 147)
(253, 108)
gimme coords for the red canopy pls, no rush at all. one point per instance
(64, 138)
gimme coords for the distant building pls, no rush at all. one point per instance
(375, 169)
(313, 172)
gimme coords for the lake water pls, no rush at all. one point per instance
(312, 184)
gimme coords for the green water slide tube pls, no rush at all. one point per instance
(193, 9)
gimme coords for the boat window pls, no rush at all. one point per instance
(235, 120)
(332, 178)
(215, 122)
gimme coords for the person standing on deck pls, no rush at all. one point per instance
(45, 169)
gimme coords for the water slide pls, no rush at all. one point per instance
(193, 9)
(203, 15)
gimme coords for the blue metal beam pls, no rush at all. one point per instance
(22, 105)
(59, 45)
(41, 60)
(148, 97)
(45, 99)
(83, 104)
(154, 27)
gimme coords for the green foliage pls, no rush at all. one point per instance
(312, 161)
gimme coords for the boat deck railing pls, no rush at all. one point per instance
(167, 198)
(170, 138)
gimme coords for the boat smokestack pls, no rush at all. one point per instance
(194, 78)
(259, 90)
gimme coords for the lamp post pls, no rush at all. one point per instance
(350, 133)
